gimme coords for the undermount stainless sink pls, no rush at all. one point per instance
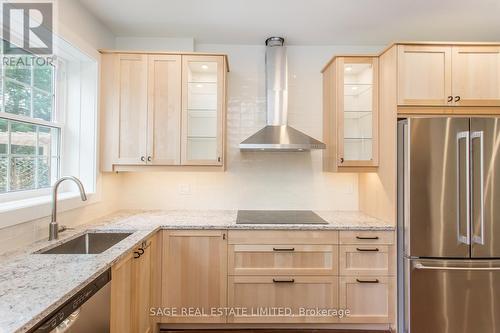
(88, 243)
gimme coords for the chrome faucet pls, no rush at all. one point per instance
(54, 226)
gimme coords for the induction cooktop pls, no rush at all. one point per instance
(278, 217)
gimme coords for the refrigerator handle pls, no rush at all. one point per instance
(480, 135)
(465, 135)
(454, 268)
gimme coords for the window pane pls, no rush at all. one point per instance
(47, 141)
(22, 173)
(4, 136)
(20, 72)
(42, 77)
(17, 98)
(42, 105)
(43, 172)
(23, 138)
(3, 174)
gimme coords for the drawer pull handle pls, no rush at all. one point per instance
(367, 250)
(284, 281)
(367, 281)
(367, 238)
(283, 249)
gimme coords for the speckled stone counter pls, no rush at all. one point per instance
(33, 285)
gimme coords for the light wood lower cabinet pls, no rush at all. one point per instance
(280, 237)
(370, 299)
(194, 274)
(191, 273)
(141, 270)
(130, 292)
(264, 293)
(284, 259)
(366, 260)
(121, 296)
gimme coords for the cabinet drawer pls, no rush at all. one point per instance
(293, 292)
(370, 299)
(283, 259)
(366, 260)
(367, 237)
(272, 237)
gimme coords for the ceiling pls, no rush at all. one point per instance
(303, 22)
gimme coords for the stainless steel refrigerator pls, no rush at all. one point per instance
(449, 225)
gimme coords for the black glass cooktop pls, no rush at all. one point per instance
(278, 217)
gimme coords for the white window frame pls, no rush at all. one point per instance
(38, 205)
(55, 123)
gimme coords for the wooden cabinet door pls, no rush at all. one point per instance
(121, 296)
(476, 75)
(424, 75)
(194, 274)
(366, 260)
(357, 112)
(203, 103)
(141, 281)
(368, 298)
(131, 118)
(292, 259)
(291, 292)
(164, 109)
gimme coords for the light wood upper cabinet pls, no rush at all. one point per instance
(424, 75)
(476, 75)
(202, 110)
(448, 75)
(164, 109)
(350, 107)
(194, 274)
(131, 125)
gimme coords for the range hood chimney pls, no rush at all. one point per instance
(277, 135)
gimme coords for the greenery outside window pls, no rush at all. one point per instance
(30, 130)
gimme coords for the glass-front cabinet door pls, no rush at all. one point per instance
(202, 105)
(357, 112)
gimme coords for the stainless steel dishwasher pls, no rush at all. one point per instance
(87, 311)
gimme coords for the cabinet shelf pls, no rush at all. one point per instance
(357, 89)
(351, 112)
(203, 82)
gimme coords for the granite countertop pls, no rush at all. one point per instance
(33, 285)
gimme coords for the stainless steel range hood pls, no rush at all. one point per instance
(277, 135)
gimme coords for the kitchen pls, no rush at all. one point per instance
(259, 179)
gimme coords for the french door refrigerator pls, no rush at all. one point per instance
(449, 225)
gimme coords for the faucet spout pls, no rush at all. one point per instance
(54, 226)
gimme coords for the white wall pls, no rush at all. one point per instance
(80, 27)
(258, 180)
(155, 44)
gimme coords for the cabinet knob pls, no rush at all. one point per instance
(450, 99)
(457, 98)
(341, 160)
(149, 159)
(143, 159)
(218, 159)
